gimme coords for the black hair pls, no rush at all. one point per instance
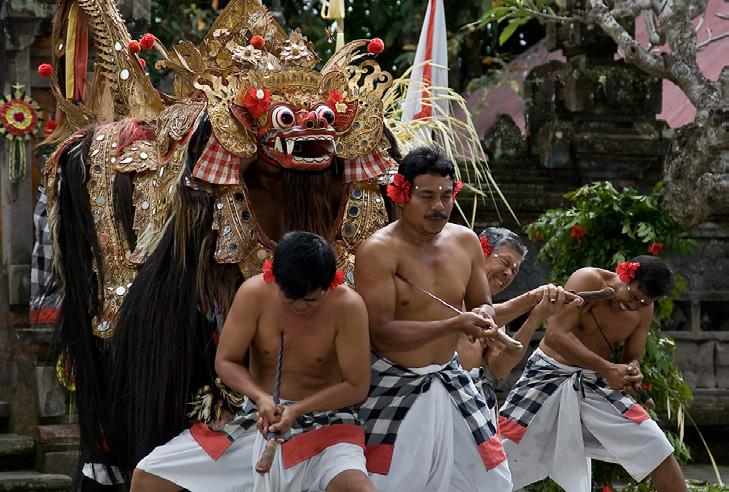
(653, 276)
(424, 160)
(302, 263)
(500, 236)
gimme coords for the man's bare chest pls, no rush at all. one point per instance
(607, 324)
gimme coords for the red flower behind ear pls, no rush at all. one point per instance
(257, 101)
(485, 245)
(656, 249)
(457, 187)
(337, 280)
(267, 268)
(626, 270)
(399, 190)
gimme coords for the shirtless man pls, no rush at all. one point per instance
(428, 428)
(504, 252)
(580, 373)
(325, 368)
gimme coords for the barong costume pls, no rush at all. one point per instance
(557, 415)
(319, 446)
(430, 429)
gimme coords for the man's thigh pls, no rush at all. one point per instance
(338, 465)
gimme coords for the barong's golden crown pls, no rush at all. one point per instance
(226, 65)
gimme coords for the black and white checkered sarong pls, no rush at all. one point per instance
(44, 291)
(541, 379)
(395, 389)
(246, 418)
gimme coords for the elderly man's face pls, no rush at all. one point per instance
(502, 267)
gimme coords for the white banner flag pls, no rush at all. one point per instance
(431, 68)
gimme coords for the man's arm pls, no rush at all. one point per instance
(374, 272)
(478, 294)
(501, 361)
(238, 332)
(353, 355)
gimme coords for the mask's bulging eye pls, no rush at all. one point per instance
(282, 117)
(325, 113)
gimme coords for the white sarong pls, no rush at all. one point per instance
(435, 452)
(185, 463)
(574, 423)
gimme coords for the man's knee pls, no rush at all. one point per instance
(351, 481)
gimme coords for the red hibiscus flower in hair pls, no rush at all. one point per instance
(485, 245)
(457, 187)
(578, 232)
(626, 270)
(267, 268)
(399, 190)
(257, 101)
(655, 249)
(337, 280)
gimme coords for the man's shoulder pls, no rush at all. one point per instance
(381, 240)
(253, 288)
(346, 299)
(589, 278)
(458, 230)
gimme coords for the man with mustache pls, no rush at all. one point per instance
(571, 402)
(427, 427)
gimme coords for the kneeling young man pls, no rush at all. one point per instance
(295, 306)
(571, 402)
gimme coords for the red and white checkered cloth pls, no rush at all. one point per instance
(216, 165)
(366, 167)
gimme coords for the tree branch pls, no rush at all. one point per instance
(711, 39)
(679, 66)
(631, 8)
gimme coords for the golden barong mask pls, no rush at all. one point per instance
(266, 99)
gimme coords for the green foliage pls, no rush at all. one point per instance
(516, 13)
(618, 225)
(602, 228)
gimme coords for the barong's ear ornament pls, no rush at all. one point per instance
(626, 270)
